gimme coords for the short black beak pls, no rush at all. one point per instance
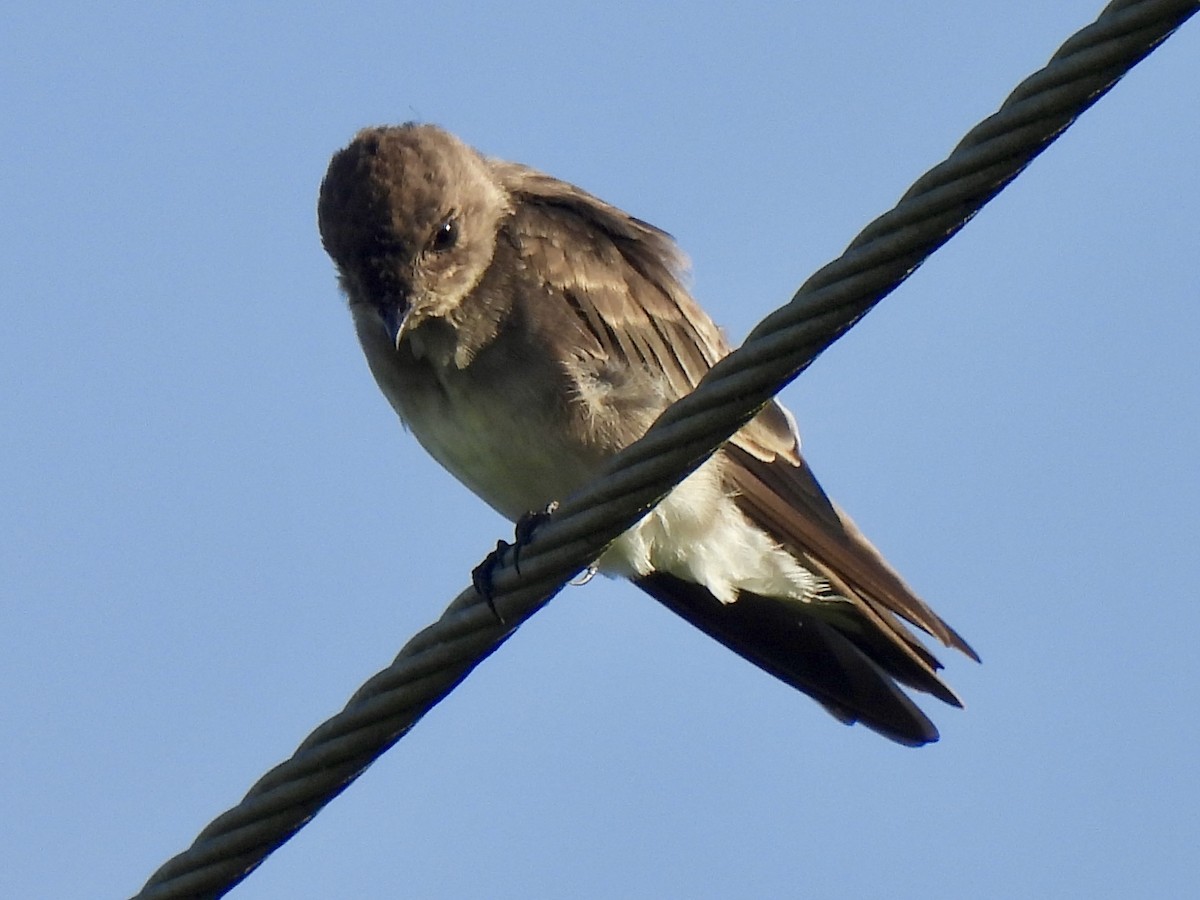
(395, 318)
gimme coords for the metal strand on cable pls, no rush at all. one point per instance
(785, 343)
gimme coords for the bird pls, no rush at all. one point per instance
(525, 331)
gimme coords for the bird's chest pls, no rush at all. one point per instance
(500, 424)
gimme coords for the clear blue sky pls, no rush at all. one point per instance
(213, 528)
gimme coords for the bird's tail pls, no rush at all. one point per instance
(810, 653)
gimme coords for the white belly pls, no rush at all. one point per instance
(698, 534)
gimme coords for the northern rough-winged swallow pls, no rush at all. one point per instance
(525, 331)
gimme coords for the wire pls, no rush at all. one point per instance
(784, 344)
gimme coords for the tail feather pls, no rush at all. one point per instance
(805, 651)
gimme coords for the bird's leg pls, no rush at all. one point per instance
(481, 575)
(526, 526)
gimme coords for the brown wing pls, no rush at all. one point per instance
(788, 502)
(868, 598)
(621, 280)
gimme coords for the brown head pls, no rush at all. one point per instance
(409, 215)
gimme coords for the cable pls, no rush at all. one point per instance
(784, 344)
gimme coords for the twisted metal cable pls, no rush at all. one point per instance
(785, 343)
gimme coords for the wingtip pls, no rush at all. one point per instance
(959, 643)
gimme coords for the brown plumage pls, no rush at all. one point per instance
(526, 330)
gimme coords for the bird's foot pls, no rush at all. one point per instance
(481, 575)
(585, 576)
(525, 528)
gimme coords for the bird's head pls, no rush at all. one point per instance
(409, 215)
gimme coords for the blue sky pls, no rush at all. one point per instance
(214, 529)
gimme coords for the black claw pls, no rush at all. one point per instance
(526, 526)
(481, 577)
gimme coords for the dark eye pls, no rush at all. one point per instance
(445, 237)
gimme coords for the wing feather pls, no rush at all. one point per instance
(624, 281)
(622, 284)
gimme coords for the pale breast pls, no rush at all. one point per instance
(499, 425)
(521, 430)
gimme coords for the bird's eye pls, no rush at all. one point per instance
(445, 237)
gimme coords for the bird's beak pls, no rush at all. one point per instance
(396, 319)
